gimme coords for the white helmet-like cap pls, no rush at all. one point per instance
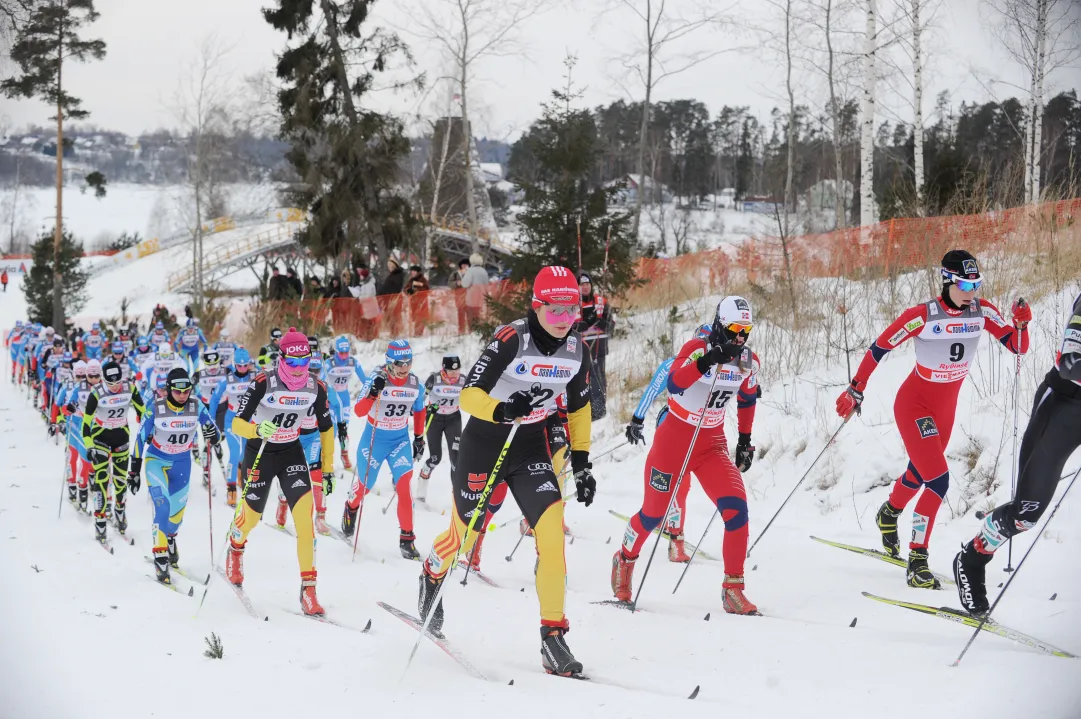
(79, 368)
(732, 312)
(93, 367)
(224, 334)
(50, 331)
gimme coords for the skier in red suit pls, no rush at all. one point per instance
(705, 376)
(947, 330)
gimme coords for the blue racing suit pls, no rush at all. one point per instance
(224, 401)
(189, 342)
(656, 385)
(93, 344)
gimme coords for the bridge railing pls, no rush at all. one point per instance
(224, 255)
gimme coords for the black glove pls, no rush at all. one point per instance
(69, 408)
(583, 478)
(134, 480)
(744, 452)
(211, 434)
(217, 451)
(96, 455)
(519, 404)
(52, 429)
(418, 447)
(328, 483)
(718, 355)
(343, 432)
(378, 383)
(634, 432)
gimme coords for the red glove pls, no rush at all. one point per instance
(849, 402)
(1022, 314)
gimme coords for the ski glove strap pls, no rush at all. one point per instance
(744, 452)
(634, 432)
(418, 447)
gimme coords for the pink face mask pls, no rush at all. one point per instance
(293, 377)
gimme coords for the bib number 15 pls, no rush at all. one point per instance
(719, 399)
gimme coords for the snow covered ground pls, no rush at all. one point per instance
(86, 634)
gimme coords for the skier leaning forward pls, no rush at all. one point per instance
(1052, 435)
(947, 330)
(270, 417)
(520, 375)
(689, 396)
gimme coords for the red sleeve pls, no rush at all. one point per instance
(685, 372)
(1013, 339)
(419, 418)
(908, 324)
(747, 398)
(363, 406)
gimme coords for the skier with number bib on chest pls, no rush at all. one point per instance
(223, 407)
(170, 429)
(1052, 435)
(514, 386)
(444, 391)
(391, 397)
(947, 330)
(269, 417)
(338, 370)
(706, 374)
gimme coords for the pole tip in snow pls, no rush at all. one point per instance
(367, 627)
(1000, 585)
(572, 541)
(1053, 597)
(853, 622)
(980, 514)
(695, 692)
(191, 591)
(266, 618)
(608, 541)
(706, 618)
(511, 683)
(754, 567)
(523, 589)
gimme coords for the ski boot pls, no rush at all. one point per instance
(174, 552)
(197, 455)
(556, 657)
(230, 496)
(120, 519)
(321, 523)
(524, 527)
(919, 574)
(733, 600)
(308, 601)
(429, 587)
(405, 544)
(72, 496)
(281, 511)
(100, 533)
(234, 564)
(969, 571)
(84, 498)
(676, 551)
(887, 524)
(346, 464)
(161, 568)
(622, 573)
(474, 553)
(349, 520)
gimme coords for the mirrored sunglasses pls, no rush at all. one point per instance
(297, 361)
(561, 310)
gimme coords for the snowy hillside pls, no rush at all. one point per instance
(86, 634)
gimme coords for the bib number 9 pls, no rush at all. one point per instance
(957, 352)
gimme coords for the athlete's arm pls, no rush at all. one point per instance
(137, 402)
(325, 423)
(911, 321)
(747, 398)
(242, 424)
(482, 379)
(1069, 364)
(579, 414)
(217, 394)
(419, 415)
(1012, 338)
(684, 372)
(88, 416)
(654, 388)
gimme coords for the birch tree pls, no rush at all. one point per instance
(668, 29)
(867, 117)
(470, 31)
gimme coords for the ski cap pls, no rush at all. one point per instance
(399, 352)
(451, 362)
(79, 368)
(224, 334)
(342, 345)
(732, 319)
(241, 356)
(93, 367)
(211, 358)
(68, 357)
(96, 326)
(111, 373)
(315, 366)
(118, 348)
(158, 325)
(584, 277)
(276, 334)
(294, 344)
(178, 381)
(703, 332)
(18, 324)
(555, 285)
(142, 341)
(960, 267)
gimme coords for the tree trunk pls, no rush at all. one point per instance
(867, 131)
(644, 130)
(467, 136)
(14, 204)
(917, 106)
(835, 118)
(58, 281)
(438, 180)
(371, 201)
(1037, 100)
(1029, 131)
(789, 199)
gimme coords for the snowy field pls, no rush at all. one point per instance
(86, 634)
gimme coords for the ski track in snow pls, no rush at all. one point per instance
(90, 636)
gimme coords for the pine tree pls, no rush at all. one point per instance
(562, 149)
(348, 158)
(38, 286)
(43, 46)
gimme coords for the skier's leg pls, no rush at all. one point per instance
(662, 463)
(367, 469)
(257, 485)
(453, 433)
(401, 466)
(294, 481)
(120, 455)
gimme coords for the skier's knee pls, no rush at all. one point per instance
(911, 478)
(648, 523)
(433, 459)
(939, 485)
(733, 511)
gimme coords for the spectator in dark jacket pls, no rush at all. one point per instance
(334, 289)
(278, 287)
(294, 283)
(390, 297)
(417, 289)
(314, 290)
(395, 280)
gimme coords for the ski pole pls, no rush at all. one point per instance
(209, 503)
(510, 557)
(1013, 467)
(987, 616)
(393, 496)
(363, 489)
(675, 488)
(764, 530)
(244, 492)
(477, 511)
(609, 451)
(694, 552)
(64, 474)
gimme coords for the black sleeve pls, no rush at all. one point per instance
(430, 382)
(499, 353)
(578, 387)
(252, 397)
(1069, 364)
(323, 417)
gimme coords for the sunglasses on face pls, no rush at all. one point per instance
(402, 364)
(962, 284)
(297, 361)
(561, 310)
(739, 327)
(181, 389)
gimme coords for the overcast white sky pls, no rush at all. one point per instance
(150, 42)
